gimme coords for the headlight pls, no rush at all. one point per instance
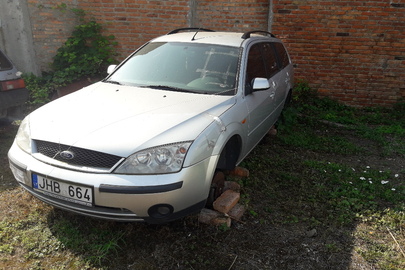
(23, 137)
(162, 159)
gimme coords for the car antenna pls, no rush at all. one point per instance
(196, 32)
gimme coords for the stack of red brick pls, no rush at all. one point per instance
(226, 208)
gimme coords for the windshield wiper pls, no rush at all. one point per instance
(113, 82)
(166, 87)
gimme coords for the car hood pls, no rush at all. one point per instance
(121, 120)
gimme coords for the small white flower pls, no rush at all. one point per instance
(340, 170)
(368, 167)
(370, 182)
(384, 182)
(365, 171)
(353, 169)
(370, 179)
(393, 189)
(350, 183)
(381, 171)
(362, 178)
(396, 175)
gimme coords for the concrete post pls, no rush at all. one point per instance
(16, 35)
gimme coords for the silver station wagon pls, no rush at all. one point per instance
(145, 143)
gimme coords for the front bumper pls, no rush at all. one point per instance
(123, 197)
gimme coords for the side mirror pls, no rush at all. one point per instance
(110, 69)
(260, 84)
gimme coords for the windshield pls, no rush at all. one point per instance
(199, 68)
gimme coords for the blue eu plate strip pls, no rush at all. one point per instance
(35, 181)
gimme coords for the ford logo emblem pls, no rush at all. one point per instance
(67, 154)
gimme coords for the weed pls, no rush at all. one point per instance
(304, 135)
(97, 244)
(332, 247)
(30, 236)
(224, 227)
(347, 191)
(86, 53)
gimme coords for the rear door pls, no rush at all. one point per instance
(283, 76)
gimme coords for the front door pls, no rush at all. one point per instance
(260, 104)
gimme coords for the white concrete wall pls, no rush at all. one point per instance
(16, 36)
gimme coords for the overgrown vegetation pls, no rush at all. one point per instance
(326, 193)
(86, 53)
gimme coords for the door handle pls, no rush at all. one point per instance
(272, 94)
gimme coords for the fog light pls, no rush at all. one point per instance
(19, 174)
(160, 211)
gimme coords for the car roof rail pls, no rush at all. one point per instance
(189, 29)
(247, 34)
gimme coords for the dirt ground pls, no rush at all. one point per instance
(271, 235)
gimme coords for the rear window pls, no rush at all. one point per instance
(4, 63)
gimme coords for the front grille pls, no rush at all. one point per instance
(80, 157)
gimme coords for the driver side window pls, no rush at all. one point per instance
(262, 63)
(255, 64)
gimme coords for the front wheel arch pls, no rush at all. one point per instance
(230, 154)
(227, 162)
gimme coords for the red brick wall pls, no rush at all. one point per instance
(353, 51)
(134, 22)
(236, 15)
(349, 50)
(52, 23)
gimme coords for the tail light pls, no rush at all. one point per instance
(13, 84)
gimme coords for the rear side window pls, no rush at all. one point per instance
(4, 63)
(282, 54)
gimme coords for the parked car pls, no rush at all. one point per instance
(13, 93)
(145, 143)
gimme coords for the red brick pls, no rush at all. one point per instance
(231, 185)
(239, 171)
(211, 217)
(226, 201)
(237, 211)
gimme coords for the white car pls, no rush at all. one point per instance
(145, 143)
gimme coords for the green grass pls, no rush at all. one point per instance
(38, 233)
(84, 238)
(347, 192)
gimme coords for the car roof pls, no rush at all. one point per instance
(204, 36)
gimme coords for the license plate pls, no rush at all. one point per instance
(58, 189)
